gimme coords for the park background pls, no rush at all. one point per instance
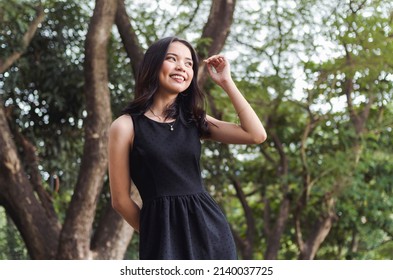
(319, 74)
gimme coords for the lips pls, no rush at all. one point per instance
(178, 78)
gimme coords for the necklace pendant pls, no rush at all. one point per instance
(171, 127)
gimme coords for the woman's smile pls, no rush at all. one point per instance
(176, 71)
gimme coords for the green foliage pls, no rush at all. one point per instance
(11, 243)
(330, 155)
(15, 16)
(156, 19)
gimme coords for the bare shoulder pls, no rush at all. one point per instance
(122, 129)
(124, 121)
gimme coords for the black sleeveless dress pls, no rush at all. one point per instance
(179, 219)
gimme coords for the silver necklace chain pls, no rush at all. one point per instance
(160, 118)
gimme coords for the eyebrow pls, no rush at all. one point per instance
(177, 56)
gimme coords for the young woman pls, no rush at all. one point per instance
(156, 143)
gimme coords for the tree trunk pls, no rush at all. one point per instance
(128, 37)
(39, 231)
(275, 233)
(273, 240)
(217, 27)
(322, 228)
(112, 236)
(77, 229)
(247, 244)
(36, 223)
(214, 35)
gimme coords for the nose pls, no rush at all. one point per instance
(180, 66)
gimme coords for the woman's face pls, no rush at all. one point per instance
(176, 71)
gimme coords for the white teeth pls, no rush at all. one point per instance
(178, 77)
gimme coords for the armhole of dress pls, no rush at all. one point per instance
(134, 128)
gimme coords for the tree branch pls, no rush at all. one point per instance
(31, 160)
(321, 230)
(250, 232)
(27, 37)
(283, 214)
(113, 234)
(214, 35)
(39, 233)
(77, 228)
(128, 37)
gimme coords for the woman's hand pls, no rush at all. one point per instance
(219, 69)
(251, 130)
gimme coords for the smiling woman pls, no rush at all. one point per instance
(176, 71)
(156, 144)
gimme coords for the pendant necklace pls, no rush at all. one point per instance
(160, 118)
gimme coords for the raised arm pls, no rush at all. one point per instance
(121, 136)
(250, 130)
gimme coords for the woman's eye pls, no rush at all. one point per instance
(189, 64)
(171, 58)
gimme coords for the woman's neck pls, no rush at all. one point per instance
(161, 102)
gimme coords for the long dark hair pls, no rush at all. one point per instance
(189, 104)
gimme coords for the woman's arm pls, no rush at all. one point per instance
(251, 130)
(121, 134)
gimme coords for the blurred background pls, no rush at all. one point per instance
(319, 74)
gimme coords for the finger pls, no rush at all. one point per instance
(210, 70)
(217, 61)
(212, 63)
(213, 57)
